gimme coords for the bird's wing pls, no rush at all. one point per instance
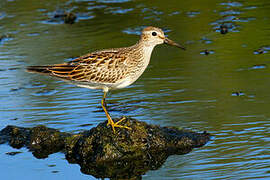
(102, 66)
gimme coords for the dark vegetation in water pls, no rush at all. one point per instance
(101, 153)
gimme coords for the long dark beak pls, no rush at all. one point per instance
(172, 43)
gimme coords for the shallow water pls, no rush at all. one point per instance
(225, 92)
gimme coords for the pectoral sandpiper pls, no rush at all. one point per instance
(111, 68)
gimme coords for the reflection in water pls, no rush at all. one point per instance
(178, 89)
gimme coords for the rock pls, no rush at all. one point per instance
(103, 154)
(206, 52)
(13, 153)
(67, 17)
(238, 93)
(41, 140)
(3, 37)
(259, 51)
(223, 29)
(17, 137)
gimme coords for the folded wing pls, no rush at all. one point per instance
(93, 67)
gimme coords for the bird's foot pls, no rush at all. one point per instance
(116, 124)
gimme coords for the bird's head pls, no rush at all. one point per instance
(153, 36)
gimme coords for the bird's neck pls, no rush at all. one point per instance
(140, 54)
(145, 48)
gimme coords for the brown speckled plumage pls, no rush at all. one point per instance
(111, 68)
(102, 67)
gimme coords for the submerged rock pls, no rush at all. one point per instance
(223, 29)
(13, 153)
(67, 17)
(4, 37)
(103, 154)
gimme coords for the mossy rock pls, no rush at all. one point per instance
(100, 152)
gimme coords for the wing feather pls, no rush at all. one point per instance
(94, 67)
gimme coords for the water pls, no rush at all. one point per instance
(225, 92)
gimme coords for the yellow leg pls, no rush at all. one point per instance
(110, 121)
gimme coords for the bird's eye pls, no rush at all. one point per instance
(154, 33)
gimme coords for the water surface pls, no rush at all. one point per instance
(225, 92)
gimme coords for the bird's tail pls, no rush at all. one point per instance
(57, 70)
(39, 69)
